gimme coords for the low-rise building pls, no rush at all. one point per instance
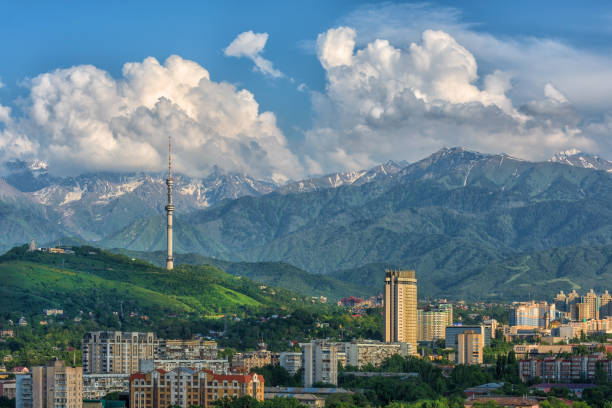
(245, 362)
(360, 353)
(501, 401)
(53, 312)
(313, 397)
(543, 350)
(8, 389)
(6, 333)
(310, 400)
(97, 386)
(576, 389)
(197, 349)
(216, 366)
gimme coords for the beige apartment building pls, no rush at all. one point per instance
(470, 347)
(400, 303)
(197, 349)
(57, 386)
(432, 323)
(320, 362)
(114, 352)
(185, 387)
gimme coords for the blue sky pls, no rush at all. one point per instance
(316, 123)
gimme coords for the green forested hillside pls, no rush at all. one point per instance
(279, 274)
(533, 275)
(450, 216)
(103, 282)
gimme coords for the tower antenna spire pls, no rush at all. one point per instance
(169, 207)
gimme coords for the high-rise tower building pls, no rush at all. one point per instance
(401, 307)
(592, 301)
(169, 207)
(605, 305)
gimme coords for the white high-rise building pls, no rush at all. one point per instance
(320, 362)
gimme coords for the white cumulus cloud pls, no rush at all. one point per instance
(250, 45)
(82, 119)
(385, 102)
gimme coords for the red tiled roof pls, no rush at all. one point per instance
(236, 377)
(137, 375)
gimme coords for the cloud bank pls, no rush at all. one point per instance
(250, 45)
(81, 119)
(385, 102)
(399, 90)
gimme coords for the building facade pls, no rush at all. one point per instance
(114, 352)
(570, 369)
(23, 392)
(432, 323)
(362, 353)
(216, 366)
(96, 386)
(320, 362)
(470, 347)
(400, 307)
(292, 362)
(532, 314)
(185, 387)
(197, 349)
(57, 385)
(245, 362)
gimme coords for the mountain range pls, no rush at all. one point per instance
(463, 219)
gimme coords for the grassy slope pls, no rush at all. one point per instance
(279, 274)
(86, 281)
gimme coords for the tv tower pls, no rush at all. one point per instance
(169, 207)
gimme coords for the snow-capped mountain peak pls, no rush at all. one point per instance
(577, 158)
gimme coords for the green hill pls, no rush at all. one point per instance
(451, 216)
(278, 274)
(539, 274)
(99, 281)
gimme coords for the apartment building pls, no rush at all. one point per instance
(96, 386)
(559, 369)
(532, 314)
(198, 349)
(185, 387)
(452, 332)
(216, 366)
(292, 362)
(114, 352)
(55, 385)
(320, 362)
(432, 323)
(23, 391)
(400, 307)
(364, 352)
(470, 347)
(245, 362)
(605, 305)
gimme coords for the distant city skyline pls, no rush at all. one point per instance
(281, 91)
